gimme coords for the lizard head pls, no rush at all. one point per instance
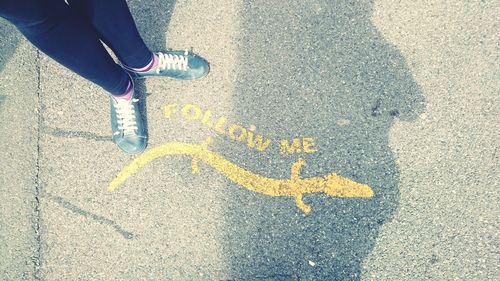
(338, 186)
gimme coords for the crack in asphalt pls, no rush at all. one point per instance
(57, 132)
(37, 257)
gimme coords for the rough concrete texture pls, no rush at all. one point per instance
(400, 95)
(19, 224)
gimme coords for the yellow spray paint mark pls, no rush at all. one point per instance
(331, 184)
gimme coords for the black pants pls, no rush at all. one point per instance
(71, 35)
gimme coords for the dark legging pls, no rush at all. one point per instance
(71, 35)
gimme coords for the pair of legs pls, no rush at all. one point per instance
(71, 33)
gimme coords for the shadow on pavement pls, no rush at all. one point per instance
(152, 19)
(318, 70)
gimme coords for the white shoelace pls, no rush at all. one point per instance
(169, 61)
(125, 116)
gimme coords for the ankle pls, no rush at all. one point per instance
(127, 94)
(152, 64)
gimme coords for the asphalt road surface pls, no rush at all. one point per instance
(394, 101)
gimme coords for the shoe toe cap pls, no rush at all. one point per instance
(199, 67)
(133, 144)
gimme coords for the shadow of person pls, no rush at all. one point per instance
(318, 70)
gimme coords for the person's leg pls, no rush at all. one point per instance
(114, 23)
(72, 41)
(68, 38)
(116, 27)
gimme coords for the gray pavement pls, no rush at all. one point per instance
(19, 217)
(401, 96)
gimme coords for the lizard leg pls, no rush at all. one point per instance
(197, 156)
(295, 185)
(205, 143)
(295, 173)
(194, 164)
(301, 205)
